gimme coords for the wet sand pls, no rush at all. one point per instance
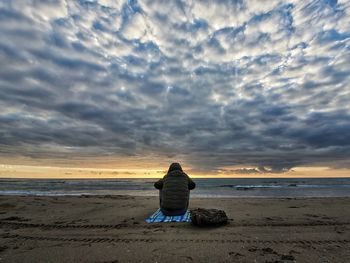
(113, 229)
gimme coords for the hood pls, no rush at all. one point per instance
(175, 167)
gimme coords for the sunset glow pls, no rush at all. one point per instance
(42, 172)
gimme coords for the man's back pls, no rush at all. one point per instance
(175, 189)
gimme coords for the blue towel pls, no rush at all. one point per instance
(158, 216)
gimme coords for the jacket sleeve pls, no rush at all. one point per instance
(159, 184)
(191, 184)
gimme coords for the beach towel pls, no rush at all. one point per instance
(158, 217)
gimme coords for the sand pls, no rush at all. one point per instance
(113, 229)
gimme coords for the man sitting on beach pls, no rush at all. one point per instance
(174, 191)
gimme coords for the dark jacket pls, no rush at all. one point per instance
(175, 190)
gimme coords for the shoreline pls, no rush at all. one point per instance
(195, 197)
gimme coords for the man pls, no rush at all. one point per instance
(174, 191)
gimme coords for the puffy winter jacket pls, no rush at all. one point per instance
(174, 190)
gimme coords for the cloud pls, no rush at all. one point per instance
(258, 170)
(214, 84)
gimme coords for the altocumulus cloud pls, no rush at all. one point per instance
(215, 83)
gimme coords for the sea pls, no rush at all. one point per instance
(205, 187)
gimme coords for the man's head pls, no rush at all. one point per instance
(174, 167)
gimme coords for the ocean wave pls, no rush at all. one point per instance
(40, 193)
(323, 185)
(258, 186)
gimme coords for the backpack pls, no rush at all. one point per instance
(208, 217)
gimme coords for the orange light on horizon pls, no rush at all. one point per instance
(55, 172)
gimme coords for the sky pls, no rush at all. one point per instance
(223, 87)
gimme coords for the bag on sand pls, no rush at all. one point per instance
(208, 217)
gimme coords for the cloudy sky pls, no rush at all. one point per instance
(259, 84)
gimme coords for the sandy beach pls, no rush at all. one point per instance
(113, 229)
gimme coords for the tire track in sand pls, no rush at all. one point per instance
(152, 240)
(124, 225)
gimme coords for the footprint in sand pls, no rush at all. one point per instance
(3, 248)
(236, 254)
(287, 257)
(268, 250)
